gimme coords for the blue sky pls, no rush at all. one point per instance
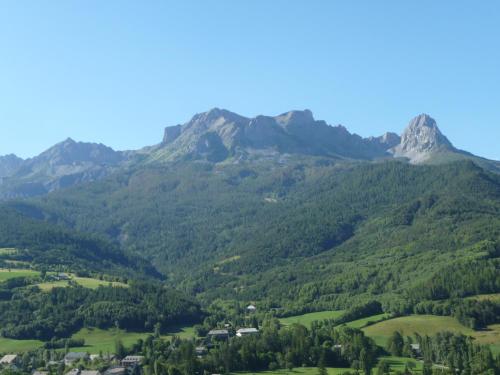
(117, 72)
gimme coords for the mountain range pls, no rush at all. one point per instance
(221, 136)
(285, 210)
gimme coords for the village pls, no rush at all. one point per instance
(84, 363)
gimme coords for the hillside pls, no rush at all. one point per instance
(42, 245)
(308, 234)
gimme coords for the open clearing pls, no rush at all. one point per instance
(12, 345)
(399, 363)
(495, 297)
(307, 319)
(86, 282)
(97, 340)
(7, 251)
(6, 274)
(298, 371)
(421, 324)
(104, 340)
(363, 322)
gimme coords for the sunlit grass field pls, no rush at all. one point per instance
(6, 274)
(86, 282)
(307, 319)
(298, 371)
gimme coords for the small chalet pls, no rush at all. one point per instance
(219, 334)
(9, 360)
(416, 349)
(40, 372)
(104, 357)
(251, 308)
(246, 331)
(90, 372)
(132, 360)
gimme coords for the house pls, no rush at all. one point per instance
(117, 370)
(74, 371)
(90, 372)
(132, 360)
(219, 334)
(246, 331)
(251, 308)
(416, 349)
(104, 357)
(9, 360)
(40, 372)
(73, 357)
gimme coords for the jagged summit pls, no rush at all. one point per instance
(421, 139)
(219, 134)
(9, 164)
(295, 117)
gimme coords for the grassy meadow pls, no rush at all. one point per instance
(86, 282)
(17, 346)
(363, 322)
(6, 274)
(97, 340)
(298, 371)
(307, 319)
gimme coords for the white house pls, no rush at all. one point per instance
(246, 331)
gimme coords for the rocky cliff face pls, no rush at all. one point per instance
(223, 136)
(9, 164)
(220, 134)
(421, 140)
(63, 165)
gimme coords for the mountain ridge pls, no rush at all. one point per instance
(222, 136)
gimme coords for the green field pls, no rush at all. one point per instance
(430, 325)
(360, 323)
(399, 363)
(495, 297)
(182, 332)
(104, 340)
(298, 371)
(97, 340)
(11, 345)
(7, 251)
(408, 325)
(86, 282)
(307, 319)
(6, 274)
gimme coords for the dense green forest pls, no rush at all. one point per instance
(306, 234)
(25, 312)
(46, 246)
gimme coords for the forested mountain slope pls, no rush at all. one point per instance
(50, 247)
(308, 232)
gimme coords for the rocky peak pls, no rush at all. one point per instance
(9, 164)
(420, 139)
(295, 118)
(70, 152)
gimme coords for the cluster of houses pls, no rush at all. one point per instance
(122, 367)
(225, 333)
